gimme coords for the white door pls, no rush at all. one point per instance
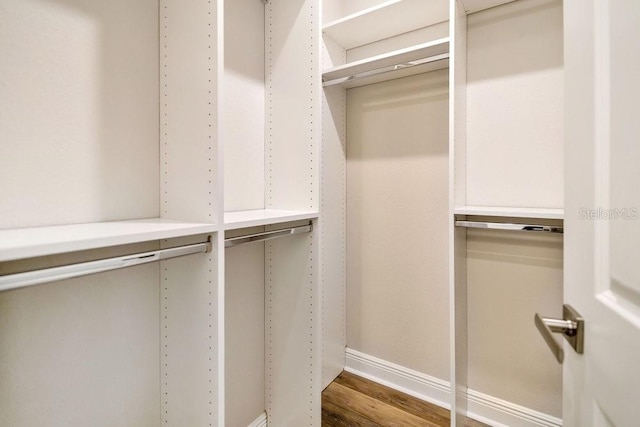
(602, 228)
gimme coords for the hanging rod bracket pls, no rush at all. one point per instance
(267, 235)
(510, 226)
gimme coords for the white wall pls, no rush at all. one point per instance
(244, 324)
(397, 212)
(243, 120)
(83, 351)
(79, 121)
(243, 114)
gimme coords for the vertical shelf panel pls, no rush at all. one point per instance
(457, 194)
(332, 222)
(192, 302)
(333, 233)
(293, 137)
(189, 342)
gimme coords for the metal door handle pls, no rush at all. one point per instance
(571, 326)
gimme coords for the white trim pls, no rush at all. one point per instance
(413, 383)
(487, 409)
(497, 412)
(261, 421)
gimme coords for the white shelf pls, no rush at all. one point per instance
(254, 218)
(543, 213)
(396, 64)
(473, 6)
(31, 242)
(385, 20)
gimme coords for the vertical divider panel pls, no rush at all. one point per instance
(191, 310)
(292, 149)
(457, 195)
(332, 223)
(218, 76)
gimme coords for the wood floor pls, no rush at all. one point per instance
(352, 401)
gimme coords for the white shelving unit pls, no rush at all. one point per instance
(140, 118)
(271, 142)
(123, 126)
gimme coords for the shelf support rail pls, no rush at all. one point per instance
(267, 235)
(37, 277)
(388, 69)
(510, 226)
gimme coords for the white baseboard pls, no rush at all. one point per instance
(413, 383)
(487, 409)
(261, 421)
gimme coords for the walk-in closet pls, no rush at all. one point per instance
(211, 209)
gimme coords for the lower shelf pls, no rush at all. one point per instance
(31, 242)
(509, 212)
(258, 217)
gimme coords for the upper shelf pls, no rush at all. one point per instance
(388, 19)
(509, 212)
(404, 62)
(258, 217)
(472, 6)
(31, 242)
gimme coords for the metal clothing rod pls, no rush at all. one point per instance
(509, 226)
(36, 277)
(267, 235)
(387, 69)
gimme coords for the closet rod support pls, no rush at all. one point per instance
(37, 277)
(267, 235)
(510, 226)
(388, 69)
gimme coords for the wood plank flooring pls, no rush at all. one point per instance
(352, 401)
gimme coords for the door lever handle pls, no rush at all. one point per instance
(571, 326)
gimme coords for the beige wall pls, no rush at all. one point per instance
(515, 109)
(514, 158)
(397, 291)
(397, 211)
(511, 276)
